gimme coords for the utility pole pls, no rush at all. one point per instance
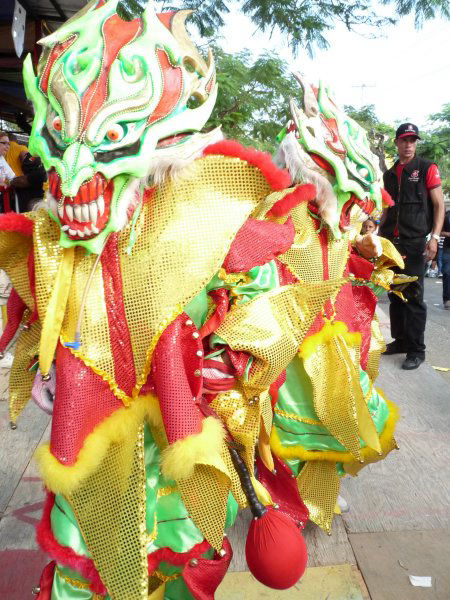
(363, 87)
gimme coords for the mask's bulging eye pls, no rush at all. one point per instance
(57, 124)
(115, 133)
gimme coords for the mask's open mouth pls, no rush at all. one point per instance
(366, 205)
(85, 215)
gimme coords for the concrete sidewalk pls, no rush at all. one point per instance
(398, 525)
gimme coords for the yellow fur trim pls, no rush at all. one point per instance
(64, 479)
(179, 459)
(328, 331)
(367, 453)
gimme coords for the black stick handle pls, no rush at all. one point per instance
(256, 507)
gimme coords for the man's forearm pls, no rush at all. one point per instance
(437, 200)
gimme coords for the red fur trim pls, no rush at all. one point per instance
(16, 223)
(278, 179)
(302, 193)
(63, 554)
(386, 197)
(175, 558)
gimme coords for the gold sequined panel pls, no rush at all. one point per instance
(14, 250)
(110, 510)
(377, 346)
(271, 328)
(318, 484)
(20, 379)
(304, 257)
(183, 236)
(338, 254)
(96, 348)
(47, 256)
(337, 395)
(205, 496)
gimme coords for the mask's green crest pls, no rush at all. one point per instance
(112, 98)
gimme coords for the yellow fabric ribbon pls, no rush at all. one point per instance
(56, 308)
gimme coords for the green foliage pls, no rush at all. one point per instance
(253, 100)
(305, 24)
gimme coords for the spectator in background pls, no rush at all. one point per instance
(413, 224)
(369, 226)
(6, 173)
(16, 154)
(29, 186)
(445, 233)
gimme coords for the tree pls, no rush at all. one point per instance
(253, 99)
(305, 23)
(436, 144)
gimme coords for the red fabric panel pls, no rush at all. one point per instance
(172, 83)
(14, 310)
(116, 34)
(359, 266)
(275, 387)
(302, 193)
(258, 242)
(275, 550)
(278, 179)
(63, 554)
(119, 333)
(46, 582)
(285, 277)
(174, 367)
(365, 303)
(82, 401)
(221, 301)
(203, 578)
(282, 486)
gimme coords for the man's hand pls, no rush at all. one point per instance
(431, 249)
(368, 245)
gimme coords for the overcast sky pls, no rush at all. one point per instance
(409, 69)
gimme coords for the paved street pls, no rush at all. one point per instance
(399, 520)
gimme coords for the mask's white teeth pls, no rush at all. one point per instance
(95, 229)
(85, 213)
(72, 232)
(87, 231)
(65, 227)
(101, 205)
(77, 212)
(61, 210)
(69, 212)
(80, 233)
(93, 212)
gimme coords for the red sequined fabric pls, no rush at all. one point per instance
(359, 266)
(282, 486)
(258, 242)
(176, 373)
(82, 401)
(203, 576)
(119, 333)
(365, 304)
(14, 310)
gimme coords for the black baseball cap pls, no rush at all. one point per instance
(406, 130)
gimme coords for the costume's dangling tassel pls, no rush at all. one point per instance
(275, 549)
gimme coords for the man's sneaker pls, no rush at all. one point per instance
(395, 347)
(412, 362)
(447, 305)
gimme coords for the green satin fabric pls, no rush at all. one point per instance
(65, 528)
(63, 590)
(296, 398)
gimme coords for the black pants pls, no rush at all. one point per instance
(446, 274)
(408, 319)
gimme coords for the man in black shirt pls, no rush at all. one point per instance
(446, 261)
(29, 186)
(413, 224)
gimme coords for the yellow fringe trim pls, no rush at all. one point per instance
(64, 479)
(120, 394)
(298, 452)
(179, 459)
(306, 420)
(328, 331)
